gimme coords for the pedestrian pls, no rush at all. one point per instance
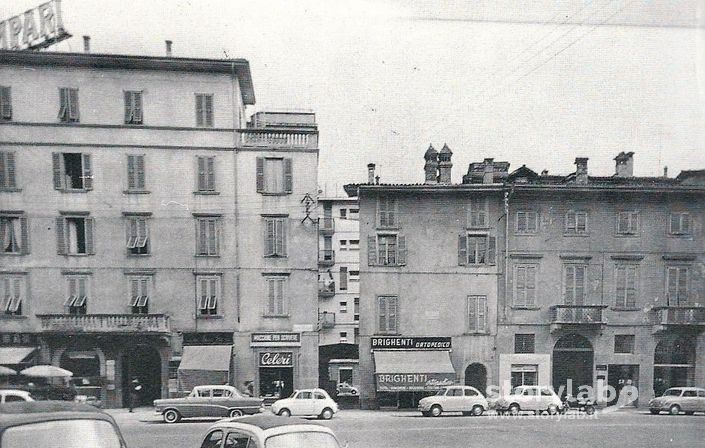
(135, 390)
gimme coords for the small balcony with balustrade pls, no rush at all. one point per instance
(105, 323)
(576, 316)
(326, 320)
(326, 258)
(665, 318)
(326, 226)
(326, 289)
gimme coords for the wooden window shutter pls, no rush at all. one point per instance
(472, 314)
(481, 314)
(579, 285)
(288, 176)
(569, 295)
(90, 235)
(57, 170)
(5, 103)
(401, 250)
(392, 314)
(280, 297)
(140, 172)
(63, 104)
(682, 286)
(199, 109)
(492, 250)
(24, 231)
(208, 110)
(210, 173)
(60, 236)
(282, 235)
(137, 107)
(371, 250)
(269, 237)
(202, 239)
(11, 181)
(4, 181)
(260, 174)
(201, 173)
(87, 172)
(128, 107)
(131, 172)
(462, 249)
(531, 285)
(520, 274)
(73, 104)
(212, 237)
(382, 303)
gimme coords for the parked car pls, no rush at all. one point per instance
(208, 401)
(530, 398)
(13, 395)
(57, 424)
(346, 390)
(307, 403)
(269, 431)
(465, 399)
(679, 399)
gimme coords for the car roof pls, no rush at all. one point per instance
(264, 426)
(266, 422)
(19, 413)
(315, 389)
(14, 391)
(685, 388)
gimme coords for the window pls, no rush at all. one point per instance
(525, 285)
(626, 283)
(343, 337)
(356, 309)
(679, 223)
(68, 105)
(574, 282)
(213, 440)
(345, 375)
(526, 221)
(12, 292)
(275, 237)
(354, 276)
(206, 174)
(387, 212)
(204, 110)
(72, 171)
(476, 250)
(133, 107)
(14, 234)
(525, 375)
(5, 103)
(343, 307)
(628, 223)
(386, 250)
(576, 222)
(137, 235)
(274, 175)
(354, 245)
(354, 211)
(388, 309)
(524, 343)
(77, 300)
(677, 285)
(208, 290)
(343, 283)
(135, 173)
(624, 343)
(207, 244)
(477, 314)
(74, 235)
(139, 295)
(8, 172)
(477, 213)
(276, 297)
(238, 440)
(343, 244)
(343, 213)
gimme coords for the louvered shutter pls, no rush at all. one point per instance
(10, 181)
(682, 286)
(129, 116)
(288, 176)
(382, 301)
(492, 250)
(201, 237)
(260, 174)
(60, 236)
(481, 314)
(392, 315)
(371, 250)
(141, 183)
(401, 248)
(212, 237)
(520, 285)
(4, 182)
(672, 286)
(208, 110)
(5, 103)
(579, 285)
(131, 172)
(199, 110)
(57, 170)
(280, 297)
(462, 249)
(531, 285)
(271, 304)
(90, 235)
(270, 238)
(137, 107)
(472, 314)
(201, 173)
(621, 286)
(24, 231)
(282, 232)
(210, 174)
(141, 224)
(63, 104)
(569, 294)
(73, 104)
(134, 292)
(630, 286)
(87, 172)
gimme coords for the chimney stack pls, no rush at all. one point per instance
(624, 164)
(371, 173)
(168, 48)
(581, 170)
(665, 171)
(488, 172)
(431, 166)
(444, 165)
(86, 44)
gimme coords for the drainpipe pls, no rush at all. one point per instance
(506, 255)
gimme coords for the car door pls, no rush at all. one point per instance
(546, 398)
(198, 404)
(319, 402)
(528, 399)
(470, 399)
(303, 403)
(219, 402)
(451, 400)
(689, 400)
(213, 439)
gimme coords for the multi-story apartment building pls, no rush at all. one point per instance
(338, 290)
(520, 278)
(149, 231)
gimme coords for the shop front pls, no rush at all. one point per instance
(276, 356)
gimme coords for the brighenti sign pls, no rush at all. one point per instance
(34, 29)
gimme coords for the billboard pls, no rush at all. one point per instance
(34, 29)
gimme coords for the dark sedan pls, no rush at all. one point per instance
(208, 401)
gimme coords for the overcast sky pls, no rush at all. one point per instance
(535, 82)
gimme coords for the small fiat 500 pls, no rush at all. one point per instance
(307, 403)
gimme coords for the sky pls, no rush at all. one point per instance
(535, 82)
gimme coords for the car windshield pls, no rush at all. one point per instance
(672, 393)
(84, 433)
(308, 439)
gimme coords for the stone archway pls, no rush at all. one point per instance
(674, 363)
(476, 376)
(143, 362)
(573, 363)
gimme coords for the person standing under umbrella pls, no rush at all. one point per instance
(135, 390)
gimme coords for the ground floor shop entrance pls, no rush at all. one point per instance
(674, 363)
(144, 364)
(573, 358)
(620, 376)
(476, 376)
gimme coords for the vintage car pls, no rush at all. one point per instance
(57, 424)
(13, 395)
(346, 390)
(307, 403)
(530, 398)
(465, 399)
(679, 399)
(269, 431)
(208, 401)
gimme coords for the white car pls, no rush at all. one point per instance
(677, 399)
(465, 399)
(307, 403)
(13, 395)
(530, 398)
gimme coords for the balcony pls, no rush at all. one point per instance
(326, 320)
(271, 138)
(576, 316)
(326, 226)
(105, 323)
(678, 317)
(326, 257)
(326, 290)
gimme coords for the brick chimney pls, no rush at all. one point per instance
(444, 165)
(431, 166)
(168, 48)
(581, 170)
(488, 172)
(371, 173)
(86, 44)
(624, 164)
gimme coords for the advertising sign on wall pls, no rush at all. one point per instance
(394, 382)
(276, 359)
(35, 28)
(410, 343)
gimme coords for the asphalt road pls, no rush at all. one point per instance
(367, 429)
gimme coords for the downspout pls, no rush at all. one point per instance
(236, 126)
(506, 256)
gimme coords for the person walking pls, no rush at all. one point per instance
(135, 390)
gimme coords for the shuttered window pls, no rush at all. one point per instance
(677, 285)
(274, 175)
(13, 289)
(138, 301)
(477, 249)
(72, 171)
(524, 343)
(576, 222)
(206, 174)
(275, 230)
(5, 103)
(8, 173)
(477, 314)
(679, 223)
(68, 105)
(14, 234)
(525, 284)
(627, 223)
(477, 213)
(133, 107)
(137, 235)
(135, 173)
(388, 313)
(208, 293)
(574, 281)
(387, 213)
(77, 297)
(626, 286)
(276, 300)
(204, 110)
(74, 235)
(207, 238)
(526, 222)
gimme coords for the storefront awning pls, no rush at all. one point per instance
(14, 355)
(413, 370)
(206, 357)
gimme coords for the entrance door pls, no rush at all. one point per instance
(619, 376)
(144, 363)
(476, 376)
(573, 358)
(674, 363)
(276, 382)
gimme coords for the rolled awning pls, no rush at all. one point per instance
(206, 357)
(15, 355)
(411, 370)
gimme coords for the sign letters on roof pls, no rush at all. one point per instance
(36, 28)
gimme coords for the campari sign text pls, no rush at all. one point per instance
(276, 359)
(35, 28)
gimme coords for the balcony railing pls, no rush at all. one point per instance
(326, 320)
(326, 257)
(270, 138)
(104, 323)
(326, 226)
(326, 289)
(576, 315)
(686, 316)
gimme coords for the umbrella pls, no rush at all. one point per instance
(46, 371)
(6, 371)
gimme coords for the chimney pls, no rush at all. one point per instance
(624, 164)
(370, 173)
(168, 48)
(665, 171)
(86, 44)
(444, 165)
(431, 166)
(544, 172)
(488, 172)
(581, 170)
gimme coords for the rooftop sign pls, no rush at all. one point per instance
(34, 29)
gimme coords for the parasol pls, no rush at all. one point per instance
(6, 371)
(46, 371)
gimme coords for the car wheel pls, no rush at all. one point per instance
(553, 409)
(235, 413)
(436, 410)
(285, 412)
(327, 414)
(514, 409)
(674, 410)
(477, 410)
(171, 416)
(353, 392)
(655, 411)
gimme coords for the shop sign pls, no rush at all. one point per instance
(35, 28)
(276, 359)
(411, 343)
(263, 339)
(392, 382)
(23, 339)
(209, 338)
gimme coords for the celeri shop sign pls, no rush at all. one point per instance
(35, 28)
(276, 359)
(389, 382)
(410, 343)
